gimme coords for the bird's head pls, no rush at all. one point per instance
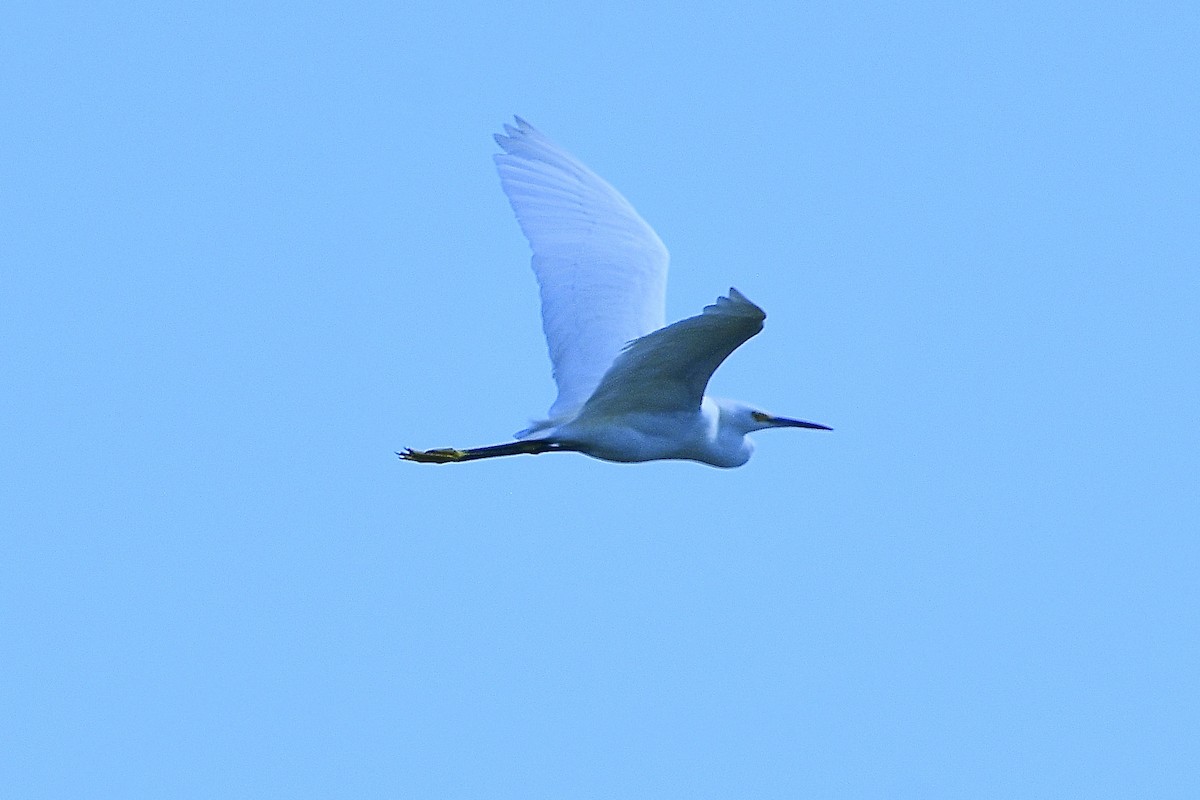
(731, 447)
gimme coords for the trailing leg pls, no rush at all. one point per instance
(449, 455)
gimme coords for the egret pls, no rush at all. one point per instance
(630, 387)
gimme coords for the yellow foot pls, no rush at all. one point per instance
(444, 455)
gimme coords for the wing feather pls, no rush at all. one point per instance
(669, 369)
(601, 269)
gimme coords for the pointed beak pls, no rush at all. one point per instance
(784, 422)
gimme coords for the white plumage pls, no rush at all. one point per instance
(629, 389)
(602, 270)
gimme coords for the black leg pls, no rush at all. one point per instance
(449, 455)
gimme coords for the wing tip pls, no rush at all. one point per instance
(513, 133)
(735, 304)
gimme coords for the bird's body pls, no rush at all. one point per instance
(707, 436)
(629, 389)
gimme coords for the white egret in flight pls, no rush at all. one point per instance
(629, 389)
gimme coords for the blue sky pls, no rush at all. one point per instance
(249, 250)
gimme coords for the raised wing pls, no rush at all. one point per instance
(602, 270)
(669, 369)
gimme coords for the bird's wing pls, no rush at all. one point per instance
(602, 270)
(669, 369)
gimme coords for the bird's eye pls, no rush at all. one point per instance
(760, 416)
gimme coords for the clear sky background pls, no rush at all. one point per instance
(248, 250)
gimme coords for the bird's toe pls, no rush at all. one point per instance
(442, 455)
